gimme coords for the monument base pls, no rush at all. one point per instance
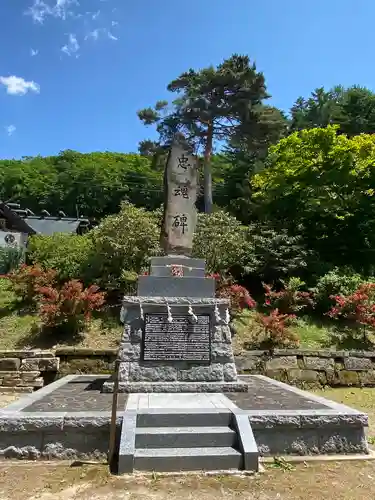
(176, 387)
(176, 344)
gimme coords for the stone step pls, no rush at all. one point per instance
(184, 418)
(185, 437)
(187, 459)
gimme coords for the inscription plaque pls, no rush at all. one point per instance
(181, 340)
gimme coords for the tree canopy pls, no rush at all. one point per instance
(213, 104)
(323, 184)
(352, 109)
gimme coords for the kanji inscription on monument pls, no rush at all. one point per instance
(180, 216)
(181, 340)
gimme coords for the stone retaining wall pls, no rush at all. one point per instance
(28, 370)
(302, 368)
(24, 371)
(309, 368)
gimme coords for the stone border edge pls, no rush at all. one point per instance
(127, 442)
(326, 402)
(247, 444)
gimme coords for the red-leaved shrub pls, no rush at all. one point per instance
(238, 295)
(69, 306)
(289, 300)
(275, 327)
(26, 280)
(358, 307)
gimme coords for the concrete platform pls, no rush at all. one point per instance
(69, 419)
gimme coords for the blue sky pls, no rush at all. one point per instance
(74, 73)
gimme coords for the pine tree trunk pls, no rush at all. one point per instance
(207, 171)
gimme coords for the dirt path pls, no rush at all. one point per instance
(339, 480)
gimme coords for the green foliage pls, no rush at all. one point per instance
(321, 184)
(10, 258)
(93, 184)
(274, 254)
(352, 109)
(221, 240)
(123, 243)
(69, 255)
(339, 281)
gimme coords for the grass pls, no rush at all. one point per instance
(359, 398)
(312, 332)
(21, 329)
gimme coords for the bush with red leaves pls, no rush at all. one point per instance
(276, 330)
(26, 280)
(289, 300)
(358, 307)
(70, 306)
(238, 295)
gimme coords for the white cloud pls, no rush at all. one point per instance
(93, 34)
(98, 31)
(39, 10)
(112, 37)
(72, 47)
(16, 85)
(34, 52)
(10, 129)
(114, 23)
(95, 15)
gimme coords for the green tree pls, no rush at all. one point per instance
(68, 254)
(245, 155)
(211, 105)
(123, 243)
(221, 239)
(322, 184)
(352, 109)
(92, 184)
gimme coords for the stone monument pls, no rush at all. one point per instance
(176, 335)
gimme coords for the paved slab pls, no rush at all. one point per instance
(80, 394)
(265, 394)
(178, 401)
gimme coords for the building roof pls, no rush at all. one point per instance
(51, 225)
(23, 222)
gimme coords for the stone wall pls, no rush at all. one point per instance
(311, 368)
(25, 371)
(82, 360)
(28, 370)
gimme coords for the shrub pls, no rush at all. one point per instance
(10, 258)
(339, 281)
(358, 307)
(27, 280)
(68, 254)
(275, 329)
(238, 295)
(70, 306)
(123, 244)
(289, 300)
(221, 240)
(274, 254)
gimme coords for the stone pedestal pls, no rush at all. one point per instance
(216, 374)
(176, 335)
